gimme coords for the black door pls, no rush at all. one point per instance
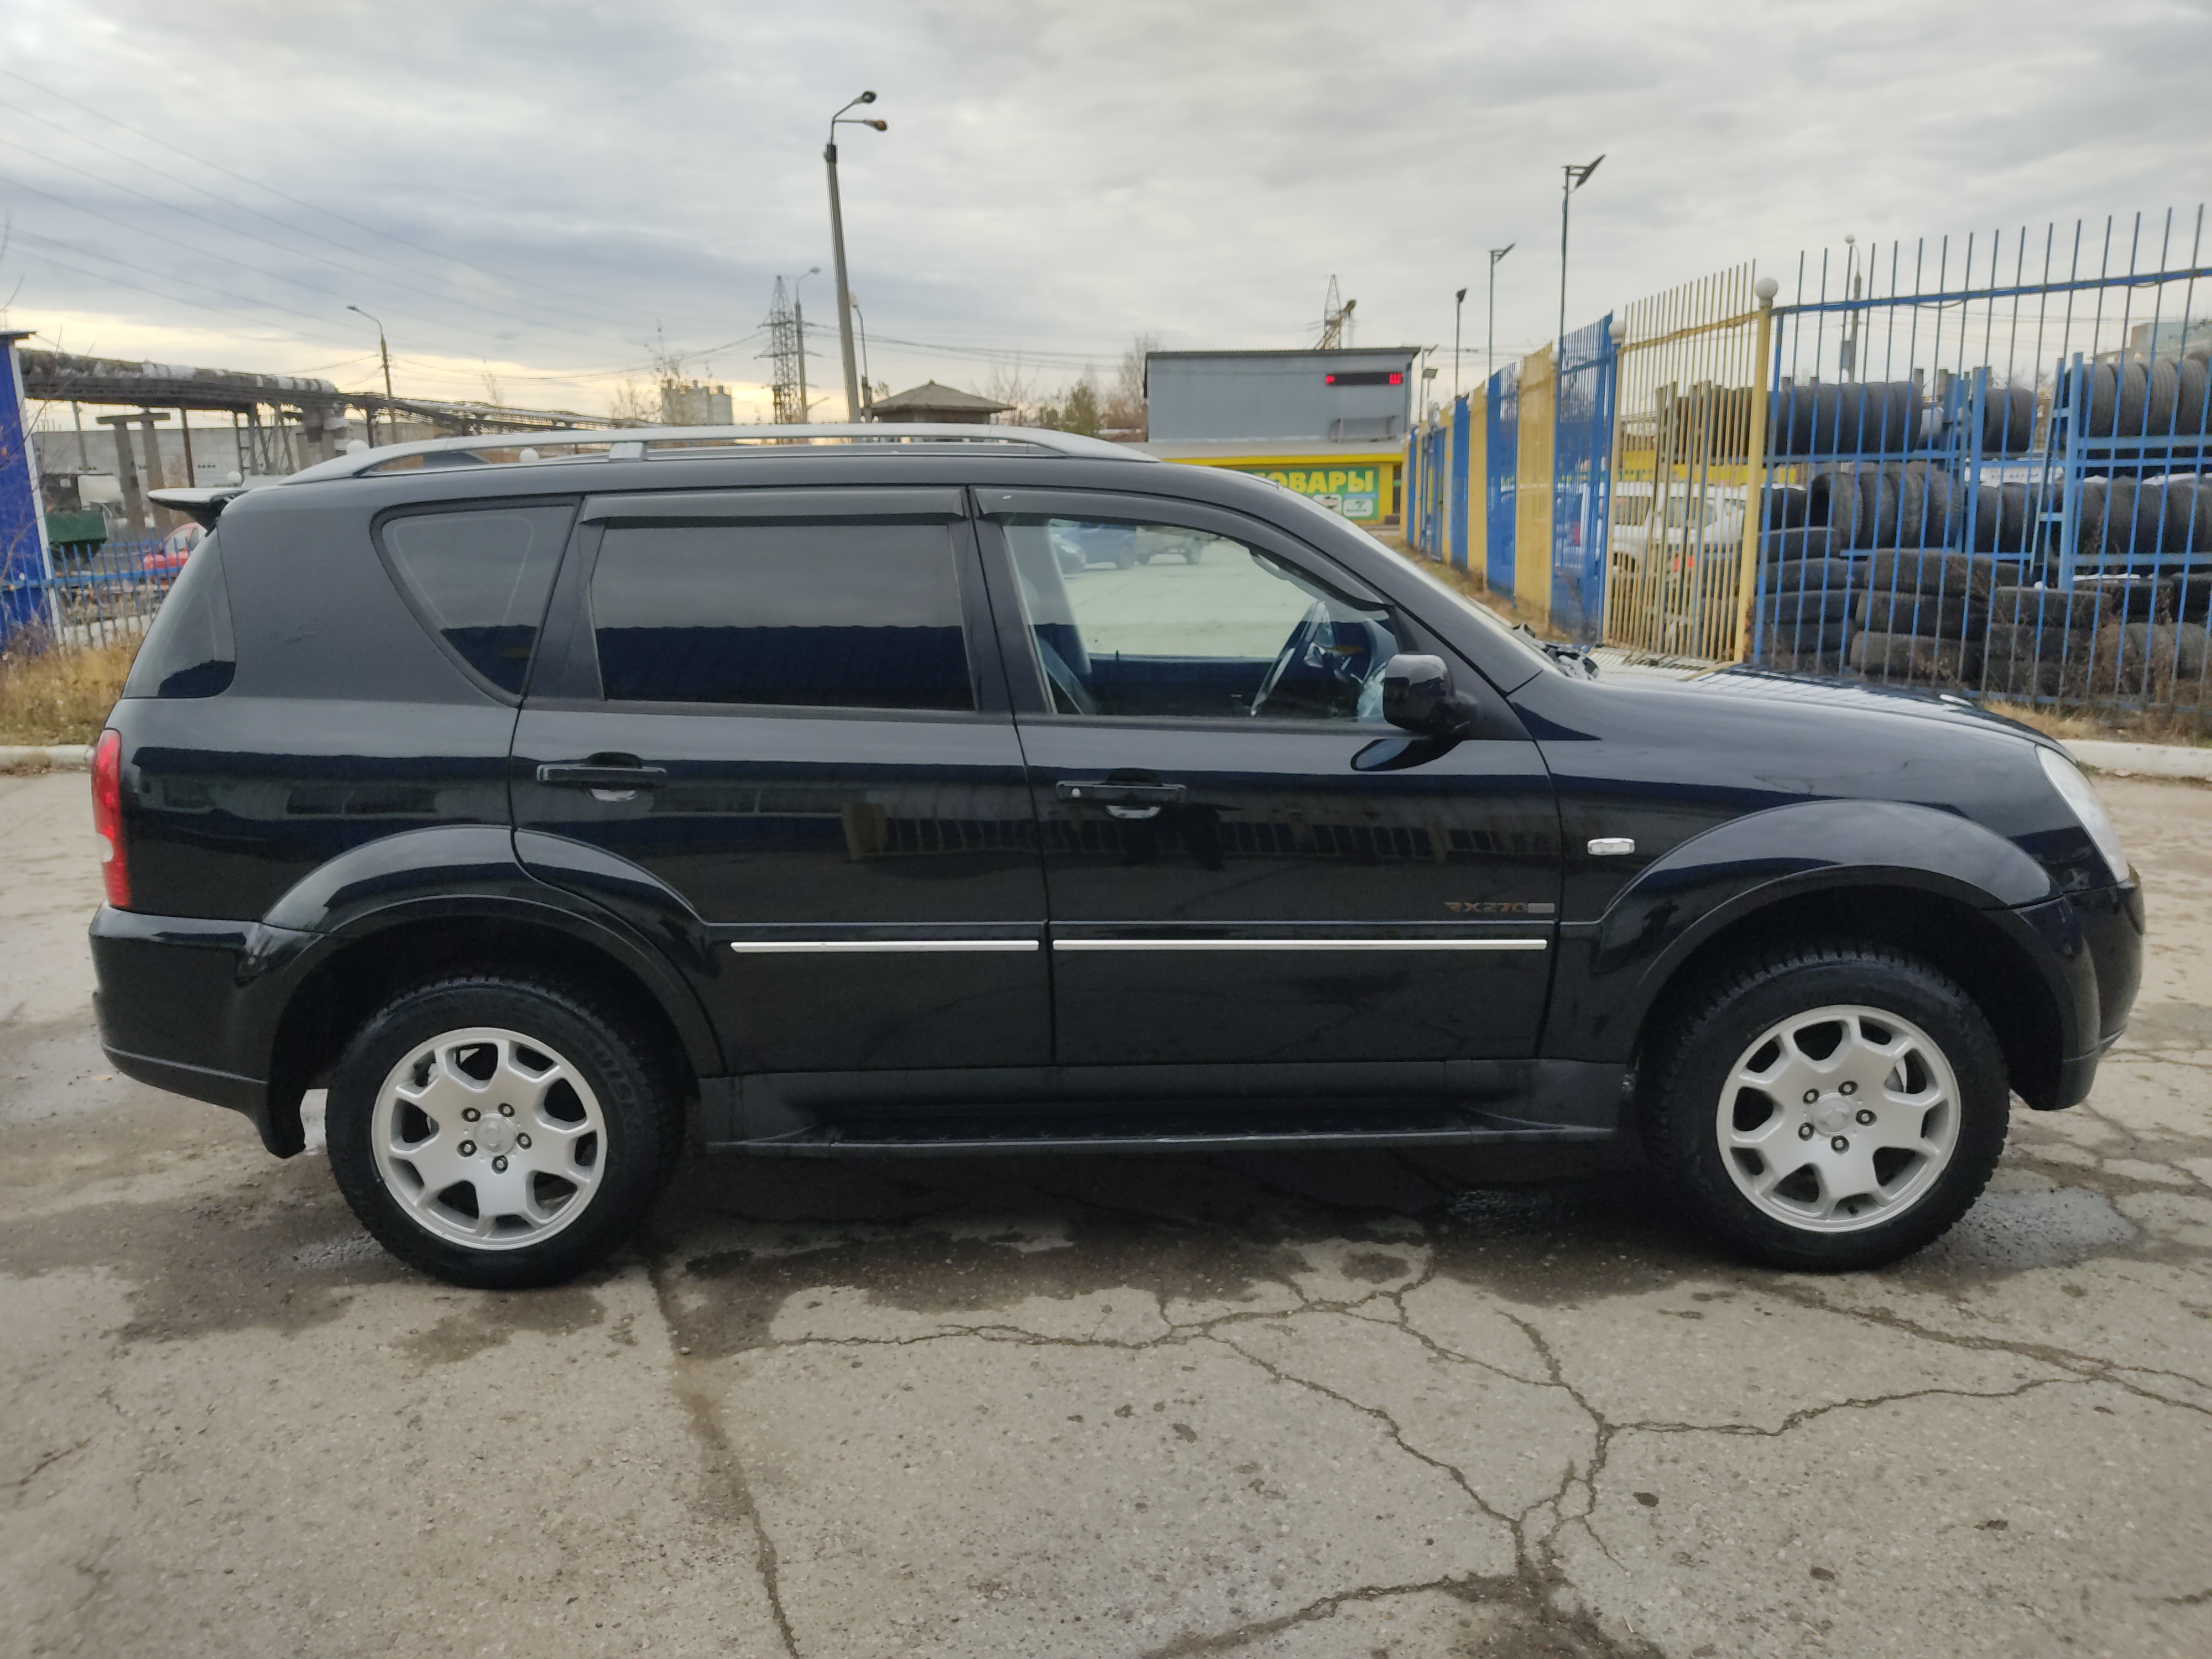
(1244, 864)
(778, 706)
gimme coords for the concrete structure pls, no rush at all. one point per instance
(693, 402)
(1329, 424)
(930, 402)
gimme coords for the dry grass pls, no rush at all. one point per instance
(61, 697)
(1500, 604)
(2164, 725)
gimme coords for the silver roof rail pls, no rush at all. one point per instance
(672, 442)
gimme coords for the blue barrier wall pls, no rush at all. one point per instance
(24, 568)
(1582, 467)
(1460, 425)
(1501, 483)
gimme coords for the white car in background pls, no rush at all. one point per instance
(1650, 533)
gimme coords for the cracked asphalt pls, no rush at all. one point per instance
(1355, 1406)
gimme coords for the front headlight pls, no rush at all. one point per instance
(2081, 795)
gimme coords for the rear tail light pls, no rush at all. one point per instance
(107, 817)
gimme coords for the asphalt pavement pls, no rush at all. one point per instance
(1378, 1406)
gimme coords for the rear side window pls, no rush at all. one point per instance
(189, 651)
(823, 615)
(480, 579)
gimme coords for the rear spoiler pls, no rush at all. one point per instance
(205, 504)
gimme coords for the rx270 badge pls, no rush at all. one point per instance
(1494, 908)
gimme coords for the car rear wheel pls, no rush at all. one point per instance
(1835, 1107)
(498, 1133)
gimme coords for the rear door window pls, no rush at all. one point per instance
(189, 651)
(479, 579)
(823, 615)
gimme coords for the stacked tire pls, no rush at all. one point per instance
(2148, 399)
(1924, 617)
(1808, 598)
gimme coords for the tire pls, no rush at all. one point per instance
(1931, 570)
(1814, 606)
(2103, 393)
(1768, 1019)
(1928, 616)
(1124, 559)
(2008, 420)
(2134, 400)
(1194, 553)
(1811, 576)
(1778, 547)
(601, 1106)
(2192, 406)
(1786, 507)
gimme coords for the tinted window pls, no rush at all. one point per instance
(1156, 619)
(826, 616)
(481, 578)
(189, 651)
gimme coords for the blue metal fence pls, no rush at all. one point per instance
(1582, 473)
(96, 596)
(1987, 466)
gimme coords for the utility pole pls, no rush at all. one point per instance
(1576, 176)
(799, 324)
(837, 246)
(1458, 305)
(391, 419)
(1490, 345)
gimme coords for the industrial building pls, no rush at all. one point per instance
(1329, 423)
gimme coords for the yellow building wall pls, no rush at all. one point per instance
(1532, 527)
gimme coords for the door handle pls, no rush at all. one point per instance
(1103, 792)
(588, 775)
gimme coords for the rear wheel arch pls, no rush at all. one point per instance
(1961, 940)
(345, 989)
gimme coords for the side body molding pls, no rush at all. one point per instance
(1612, 970)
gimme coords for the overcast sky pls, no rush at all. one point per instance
(546, 190)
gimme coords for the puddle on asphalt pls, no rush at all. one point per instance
(2014, 1232)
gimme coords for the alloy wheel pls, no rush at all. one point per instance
(1839, 1119)
(488, 1138)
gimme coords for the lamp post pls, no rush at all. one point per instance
(391, 420)
(1459, 306)
(799, 324)
(860, 316)
(837, 246)
(1490, 343)
(1576, 176)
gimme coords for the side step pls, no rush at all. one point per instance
(1194, 1129)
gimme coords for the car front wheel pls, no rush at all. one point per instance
(1832, 1107)
(499, 1134)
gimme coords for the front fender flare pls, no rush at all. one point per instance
(1613, 970)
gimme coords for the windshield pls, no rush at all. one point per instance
(1500, 629)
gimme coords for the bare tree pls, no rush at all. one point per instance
(494, 393)
(1125, 410)
(633, 404)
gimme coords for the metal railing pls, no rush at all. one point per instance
(96, 596)
(1989, 465)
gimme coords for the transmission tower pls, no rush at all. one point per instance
(785, 346)
(1335, 319)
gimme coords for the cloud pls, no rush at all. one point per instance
(556, 187)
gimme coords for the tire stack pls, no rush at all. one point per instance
(1925, 617)
(2148, 399)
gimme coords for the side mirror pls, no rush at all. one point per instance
(1418, 697)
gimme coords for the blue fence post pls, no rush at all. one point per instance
(26, 564)
(1502, 469)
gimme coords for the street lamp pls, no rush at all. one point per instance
(1459, 305)
(390, 420)
(799, 321)
(837, 246)
(1576, 178)
(1490, 341)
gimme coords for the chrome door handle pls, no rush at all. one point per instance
(1101, 792)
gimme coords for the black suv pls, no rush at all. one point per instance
(541, 802)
